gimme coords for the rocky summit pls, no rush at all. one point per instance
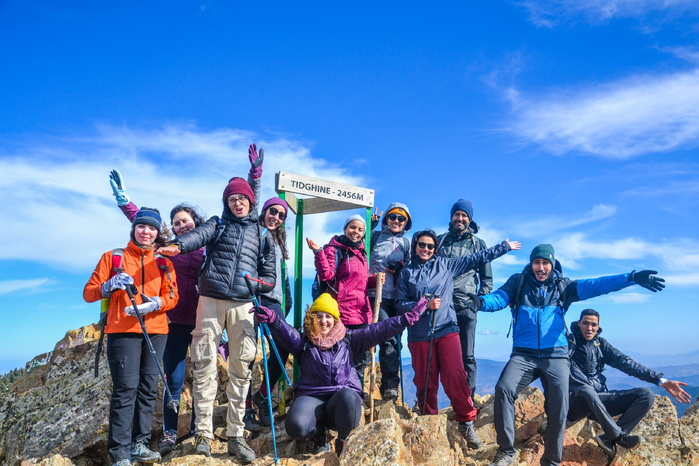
(56, 414)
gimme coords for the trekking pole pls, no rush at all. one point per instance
(372, 375)
(400, 366)
(429, 357)
(172, 404)
(264, 362)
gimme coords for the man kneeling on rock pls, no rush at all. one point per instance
(588, 390)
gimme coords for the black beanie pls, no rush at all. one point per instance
(543, 251)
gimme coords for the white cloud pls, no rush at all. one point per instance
(488, 332)
(629, 298)
(549, 13)
(554, 223)
(58, 189)
(635, 116)
(10, 286)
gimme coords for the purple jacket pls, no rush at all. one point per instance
(348, 285)
(187, 272)
(325, 372)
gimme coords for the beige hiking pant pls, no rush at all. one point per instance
(212, 315)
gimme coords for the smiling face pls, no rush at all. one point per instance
(326, 322)
(541, 268)
(396, 222)
(589, 325)
(182, 223)
(239, 204)
(145, 234)
(274, 217)
(460, 221)
(424, 247)
(354, 230)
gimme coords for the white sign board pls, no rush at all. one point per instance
(343, 193)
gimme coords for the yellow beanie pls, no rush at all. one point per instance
(326, 303)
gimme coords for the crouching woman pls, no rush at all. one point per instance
(328, 394)
(133, 369)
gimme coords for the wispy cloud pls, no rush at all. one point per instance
(488, 332)
(629, 298)
(549, 13)
(631, 117)
(11, 286)
(64, 182)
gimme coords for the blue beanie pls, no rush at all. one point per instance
(463, 204)
(150, 217)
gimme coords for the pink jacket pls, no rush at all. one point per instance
(349, 283)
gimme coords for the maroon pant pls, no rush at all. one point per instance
(448, 364)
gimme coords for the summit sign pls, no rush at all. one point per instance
(315, 187)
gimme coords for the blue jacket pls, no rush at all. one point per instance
(436, 276)
(539, 322)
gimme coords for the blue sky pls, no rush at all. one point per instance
(569, 122)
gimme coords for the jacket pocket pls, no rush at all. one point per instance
(246, 349)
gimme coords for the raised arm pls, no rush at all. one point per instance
(325, 262)
(128, 208)
(287, 336)
(459, 265)
(255, 174)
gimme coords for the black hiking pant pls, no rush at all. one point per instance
(134, 379)
(632, 404)
(467, 319)
(309, 415)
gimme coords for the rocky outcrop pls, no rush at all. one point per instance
(56, 415)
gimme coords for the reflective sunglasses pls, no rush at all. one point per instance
(241, 198)
(429, 246)
(398, 217)
(279, 213)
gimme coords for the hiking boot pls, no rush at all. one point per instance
(262, 408)
(141, 453)
(339, 446)
(606, 446)
(502, 459)
(472, 440)
(123, 462)
(630, 442)
(238, 448)
(251, 422)
(168, 442)
(320, 443)
(202, 445)
(390, 394)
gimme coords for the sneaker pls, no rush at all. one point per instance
(339, 446)
(321, 444)
(606, 446)
(238, 448)
(630, 442)
(123, 462)
(472, 440)
(141, 453)
(168, 442)
(251, 422)
(502, 459)
(202, 445)
(262, 408)
(390, 394)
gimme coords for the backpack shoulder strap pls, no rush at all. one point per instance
(514, 305)
(162, 265)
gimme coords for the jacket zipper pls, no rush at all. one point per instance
(143, 274)
(542, 297)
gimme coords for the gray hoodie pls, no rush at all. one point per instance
(388, 248)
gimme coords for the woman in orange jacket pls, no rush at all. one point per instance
(133, 370)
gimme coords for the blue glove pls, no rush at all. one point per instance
(146, 307)
(118, 188)
(117, 282)
(415, 313)
(648, 279)
(265, 316)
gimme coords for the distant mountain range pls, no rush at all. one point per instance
(489, 373)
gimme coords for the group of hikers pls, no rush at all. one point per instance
(168, 295)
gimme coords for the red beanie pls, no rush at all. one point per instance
(238, 185)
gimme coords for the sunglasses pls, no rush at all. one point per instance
(279, 213)
(429, 246)
(233, 199)
(398, 217)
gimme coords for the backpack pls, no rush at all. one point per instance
(319, 287)
(561, 285)
(117, 256)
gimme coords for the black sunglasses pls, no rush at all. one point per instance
(395, 217)
(429, 246)
(279, 213)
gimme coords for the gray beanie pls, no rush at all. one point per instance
(352, 218)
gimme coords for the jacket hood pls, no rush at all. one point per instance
(336, 243)
(472, 228)
(393, 205)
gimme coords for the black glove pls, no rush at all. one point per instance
(476, 301)
(395, 267)
(648, 279)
